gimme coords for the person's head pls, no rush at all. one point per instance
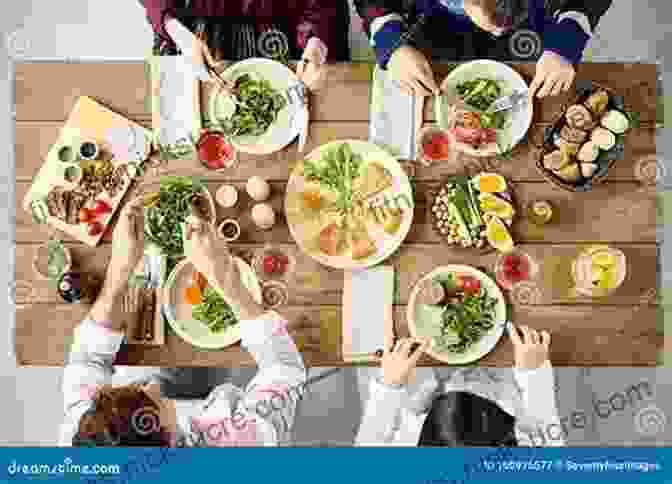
(462, 419)
(127, 416)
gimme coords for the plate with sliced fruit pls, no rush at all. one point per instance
(460, 309)
(349, 204)
(475, 212)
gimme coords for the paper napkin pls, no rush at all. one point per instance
(368, 296)
(393, 124)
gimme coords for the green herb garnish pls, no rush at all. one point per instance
(336, 170)
(464, 324)
(214, 312)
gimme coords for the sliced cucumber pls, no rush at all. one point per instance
(463, 229)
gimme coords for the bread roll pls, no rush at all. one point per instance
(579, 117)
(573, 135)
(555, 160)
(589, 152)
(603, 138)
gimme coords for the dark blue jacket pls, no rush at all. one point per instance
(561, 26)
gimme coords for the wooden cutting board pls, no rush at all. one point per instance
(115, 135)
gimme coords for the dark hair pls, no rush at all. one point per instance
(121, 417)
(462, 419)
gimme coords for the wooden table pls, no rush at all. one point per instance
(618, 331)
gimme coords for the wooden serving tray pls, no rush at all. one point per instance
(91, 121)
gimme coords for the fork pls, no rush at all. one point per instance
(505, 103)
(297, 94)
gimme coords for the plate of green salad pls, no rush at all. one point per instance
(464, 109)
(198, 313)
(260, 119)
(461, 309)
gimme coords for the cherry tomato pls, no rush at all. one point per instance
(281, 263)
(472, 285)
(270, 264)
(86, 215)
(459, 282)
(102, 207)
(96, 228)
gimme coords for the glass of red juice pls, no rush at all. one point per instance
(514, 267)
(215, 151)
(434, 145)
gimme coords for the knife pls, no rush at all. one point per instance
(303, 135)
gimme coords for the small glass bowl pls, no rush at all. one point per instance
(260, 270)
(223, 226)
(504, 280)
(232, 162)
(424, 137)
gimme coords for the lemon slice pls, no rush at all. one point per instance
(604, 260)
(490, 183)
(498, 235)
(493, 204)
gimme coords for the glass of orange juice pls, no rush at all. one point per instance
(599, 270)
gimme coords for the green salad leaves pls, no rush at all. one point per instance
(214, 312)
(257, 107)
(336, 170)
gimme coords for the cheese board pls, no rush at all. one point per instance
(83, 206)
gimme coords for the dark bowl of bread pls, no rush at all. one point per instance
(586, 140)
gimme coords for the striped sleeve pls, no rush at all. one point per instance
(384, 26)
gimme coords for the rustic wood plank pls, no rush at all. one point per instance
(121, 86)
(601, 336)
(315, 284)
(621, 212)
(104, 81)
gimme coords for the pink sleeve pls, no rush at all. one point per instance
(319, 19)
(157, 10)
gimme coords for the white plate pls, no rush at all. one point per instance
(178, 313)
(386, 244)
(287, 125)
(487, 342)
(520, 118)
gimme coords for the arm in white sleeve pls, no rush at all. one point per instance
(90, 364)
(380, 414)
(540, 425)
(272, 396)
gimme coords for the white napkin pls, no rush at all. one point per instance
(393, 123)
(368, 296)
(173, 103)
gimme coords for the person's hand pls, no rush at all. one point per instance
(398, 363)
(409, 67)
(127, 245)
(311, 69)
(530, 347)
(554, 75)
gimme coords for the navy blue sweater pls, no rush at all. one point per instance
(560, 26)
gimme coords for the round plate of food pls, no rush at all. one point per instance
(461, 310)
(349, 204)
(198, 313)
(465, 108)
(475, 212)
(169, 207)
(261, 119)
